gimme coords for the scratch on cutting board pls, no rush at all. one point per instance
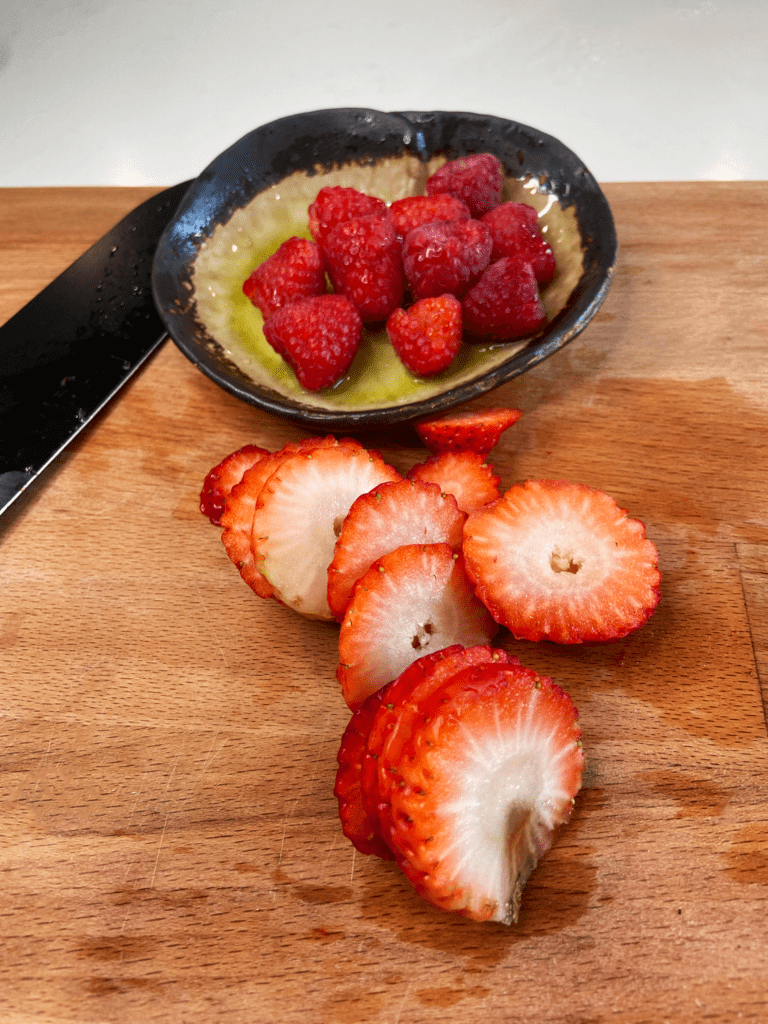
(159, 848)
(285, 829)
(402, 1002)
(328, 857)
(210, 757)
(165, 823)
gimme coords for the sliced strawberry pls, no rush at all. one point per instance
(358, 825)
(491, 769)
(387, 704)
(515, 231)
(393, 724)
(561, 561)
(318, 336)
(335, 204)
(505, 303)
(413, 211)
(465, 475)
(446, 256)
(412, 601)
(427, 337)
(222, 478)
(298, 518)
(387, 517)
(476, 180)
(365, 265)
(295, 271)
(240, 506)
(478, 430)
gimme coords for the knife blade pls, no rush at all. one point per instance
(66, 353)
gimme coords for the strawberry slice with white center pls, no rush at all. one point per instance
(560, 561)
(385, 707)
(466, 475)
(393, 725)
(412, 601)
(218, 485)
(240, 506)
(358, 824)
(490, 771)
(298, 519)
(387, 517)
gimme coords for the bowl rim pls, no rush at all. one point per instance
(233, 178)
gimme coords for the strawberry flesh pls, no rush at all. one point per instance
(218, 484)
(489, 771)
(478, 430)
(357, 823)
(240, 507)
(464, 474)
(390, 515)
(561, 561)
(412, 601)
(383, 721)
(298, 514)
(394, 722)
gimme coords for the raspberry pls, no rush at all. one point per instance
(413, 211)
(514, 229)
(295, 271)
(505, 303)
(428, 336)
(476, 180)
(335, 204)
(318, 336)
(447, 256)
(365, 265)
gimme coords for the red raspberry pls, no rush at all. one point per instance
(505, 303)
(447, 256)
(318, 336)
(427, 336)
(295, 271)
(476, 180)
(514, 229)
(413, 211)
(335, 204)
(365, 264)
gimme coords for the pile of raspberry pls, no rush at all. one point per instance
(454, 264)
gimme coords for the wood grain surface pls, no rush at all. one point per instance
(169, 844)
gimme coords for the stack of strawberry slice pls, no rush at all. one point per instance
(461, 770)
(453, 264)
(457, 762)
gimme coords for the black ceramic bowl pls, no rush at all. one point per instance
(256, 194)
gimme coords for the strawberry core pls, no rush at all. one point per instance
(564, 563)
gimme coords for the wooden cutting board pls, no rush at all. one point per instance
(169, 844)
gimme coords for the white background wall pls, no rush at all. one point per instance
(149, 91)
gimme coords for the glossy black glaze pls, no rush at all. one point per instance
(332, 138)
(67, 352)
